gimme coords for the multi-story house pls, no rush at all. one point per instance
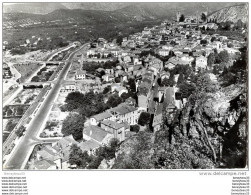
(80, 74)
(117, 129)
(69, 87)
(122, 113)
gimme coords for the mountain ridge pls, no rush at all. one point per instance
(32, 8)
(231, 13)
(157, 9)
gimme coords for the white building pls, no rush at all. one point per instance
(201, 62)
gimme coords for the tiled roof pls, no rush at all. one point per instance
(66, 142)
(162, 73)
(102, 116)
(48, 153)
(143, 91)
(95, 132)
(129, 133)
(112, 124)
(146, 80)
(126, 125)
(80, 72)
(123, 109)
(88, 145)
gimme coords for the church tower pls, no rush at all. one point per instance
(206, 13)
(177, 16)
(197, 17)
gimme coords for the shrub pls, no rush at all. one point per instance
(134, 128)
(144, 118)
(20, 131)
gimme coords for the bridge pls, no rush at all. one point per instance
(36, 84)
(47, 63)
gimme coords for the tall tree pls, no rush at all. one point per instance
(182, 18)
(114, 100)
(180, 79)
(171, 81)
(78, 157)
(131, 83)
(203, 17)
(210, 60)
(165, 82)
(186, 89)
(239, 24)
(223, 56)
(73, 125)
(20, 131)
(144, 119)
(74, 100)
(9, 112)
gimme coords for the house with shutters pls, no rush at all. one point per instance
(80, 74)
(121, 113)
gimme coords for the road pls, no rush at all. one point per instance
(22, 151)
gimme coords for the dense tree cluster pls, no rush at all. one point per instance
(85, 104)
(236, 72)
(153, 53)
(73, 125)
(139, 155)
(186, 89)
(144, 119)
(218, 58)
(132, 85)
(134, 128)
(91, 67)
(107, 89)
(114, 100)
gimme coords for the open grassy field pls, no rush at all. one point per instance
(26, 70)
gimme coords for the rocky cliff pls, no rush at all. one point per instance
(232, 13)
(218, 120)
(210, 132)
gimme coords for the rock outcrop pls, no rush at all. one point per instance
(211, 133)
(219, 119)
(233, 14)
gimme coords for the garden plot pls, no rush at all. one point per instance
(54, 123)
(71, 73)
(8, 126)
(14, 111)
(44, 74)
(26, 96)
